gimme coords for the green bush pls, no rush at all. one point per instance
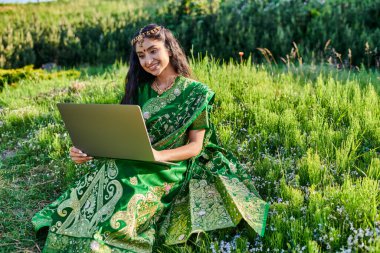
(12, 76)
(246, 25)
(100, 32)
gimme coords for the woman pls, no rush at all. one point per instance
(117, 207)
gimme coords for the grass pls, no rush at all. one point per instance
(309, 136)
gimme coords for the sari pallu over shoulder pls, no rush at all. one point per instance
(169, 116)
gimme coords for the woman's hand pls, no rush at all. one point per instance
(78, 156)
(158, 155)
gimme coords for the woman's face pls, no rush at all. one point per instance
(153, 56)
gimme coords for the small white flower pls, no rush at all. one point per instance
(202, 212)
(95, 246)
(181, 237)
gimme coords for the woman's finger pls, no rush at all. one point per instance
(77, 155)
(80, 160)
(76, 150)
(73, 153)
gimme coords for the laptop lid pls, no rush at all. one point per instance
(108, 130)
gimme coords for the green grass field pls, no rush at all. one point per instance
(310, 137)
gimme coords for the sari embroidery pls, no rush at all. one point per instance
(201, 122)
(90, 206)
(180, 109)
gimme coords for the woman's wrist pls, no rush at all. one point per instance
(162, 156)
(178, 154)
(158, 155)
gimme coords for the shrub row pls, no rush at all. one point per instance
(12, 76)
(222, 28)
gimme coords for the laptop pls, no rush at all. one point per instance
(108, 130)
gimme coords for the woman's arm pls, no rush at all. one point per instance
(193, 148)
(187, 151)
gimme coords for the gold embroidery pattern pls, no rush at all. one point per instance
(177, 123)
(201, 121)
(245, 203)
(133, 180)
(207, 204)
(62, 243)
(91, 202)
(128, 217)
(172, 124)
(178, 223)
(156, 104)
(141, 209)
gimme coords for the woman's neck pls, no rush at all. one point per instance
(167, 76)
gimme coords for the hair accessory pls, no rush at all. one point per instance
(140, 37)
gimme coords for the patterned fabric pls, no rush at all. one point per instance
(201, 122)
(118, 206)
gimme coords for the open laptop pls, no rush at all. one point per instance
(108, 130)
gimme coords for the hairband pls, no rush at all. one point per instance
(140, 37)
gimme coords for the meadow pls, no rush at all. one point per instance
(308, 135)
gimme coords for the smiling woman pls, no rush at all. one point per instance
(119, 206)
(154, 59)
(157, 59)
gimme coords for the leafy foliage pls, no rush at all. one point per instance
(13, 76)
(72, 33)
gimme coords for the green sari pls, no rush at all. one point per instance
(123, 205)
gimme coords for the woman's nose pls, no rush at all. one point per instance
(148, 61)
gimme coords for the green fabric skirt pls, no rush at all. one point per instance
(115, 207)
(118, 206)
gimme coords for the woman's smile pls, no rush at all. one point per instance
(153, 56)
(153, 66)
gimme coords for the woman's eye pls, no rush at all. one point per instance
(153, 51)
(140, 56)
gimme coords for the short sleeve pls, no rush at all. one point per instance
(201, 122)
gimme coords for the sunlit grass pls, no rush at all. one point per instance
(310, 138)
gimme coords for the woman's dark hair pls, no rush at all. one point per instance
(137, 76)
